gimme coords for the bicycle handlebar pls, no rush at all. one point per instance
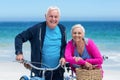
(47, 69)
(37, 68)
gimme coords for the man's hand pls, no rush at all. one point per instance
(19, 57)
(62, 61)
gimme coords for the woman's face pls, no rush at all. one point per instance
(77, 34)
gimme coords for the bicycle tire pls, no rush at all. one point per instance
(24, 78)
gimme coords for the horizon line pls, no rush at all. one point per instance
(60, 20)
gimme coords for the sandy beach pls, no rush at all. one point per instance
(14, 70)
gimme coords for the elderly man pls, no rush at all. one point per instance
(48, 43)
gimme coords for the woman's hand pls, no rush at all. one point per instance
(88, 65)
(77, 58)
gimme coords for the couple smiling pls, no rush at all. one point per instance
(48, 46)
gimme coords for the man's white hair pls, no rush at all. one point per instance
(78, 26)
(53, 8)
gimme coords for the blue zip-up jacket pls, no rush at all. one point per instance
(36, 35)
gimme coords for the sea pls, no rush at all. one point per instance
(105, 34)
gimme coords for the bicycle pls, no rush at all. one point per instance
(67, 75)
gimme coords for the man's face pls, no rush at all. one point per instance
(52, 18)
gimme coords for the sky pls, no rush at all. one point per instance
(34, 10)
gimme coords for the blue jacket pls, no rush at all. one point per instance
(36, 35)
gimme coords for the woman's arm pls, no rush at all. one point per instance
(94, 53)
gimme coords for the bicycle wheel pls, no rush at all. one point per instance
(24, 78)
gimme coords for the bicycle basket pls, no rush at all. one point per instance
(84, 74)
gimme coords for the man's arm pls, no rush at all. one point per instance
(19, 40)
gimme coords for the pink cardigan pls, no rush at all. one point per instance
(96, 58)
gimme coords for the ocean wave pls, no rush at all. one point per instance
(113, 61)
(9, 54)
(114, 57)
(112, 65)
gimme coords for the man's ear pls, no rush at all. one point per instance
(45, 15)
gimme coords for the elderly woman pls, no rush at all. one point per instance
(82, 51)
